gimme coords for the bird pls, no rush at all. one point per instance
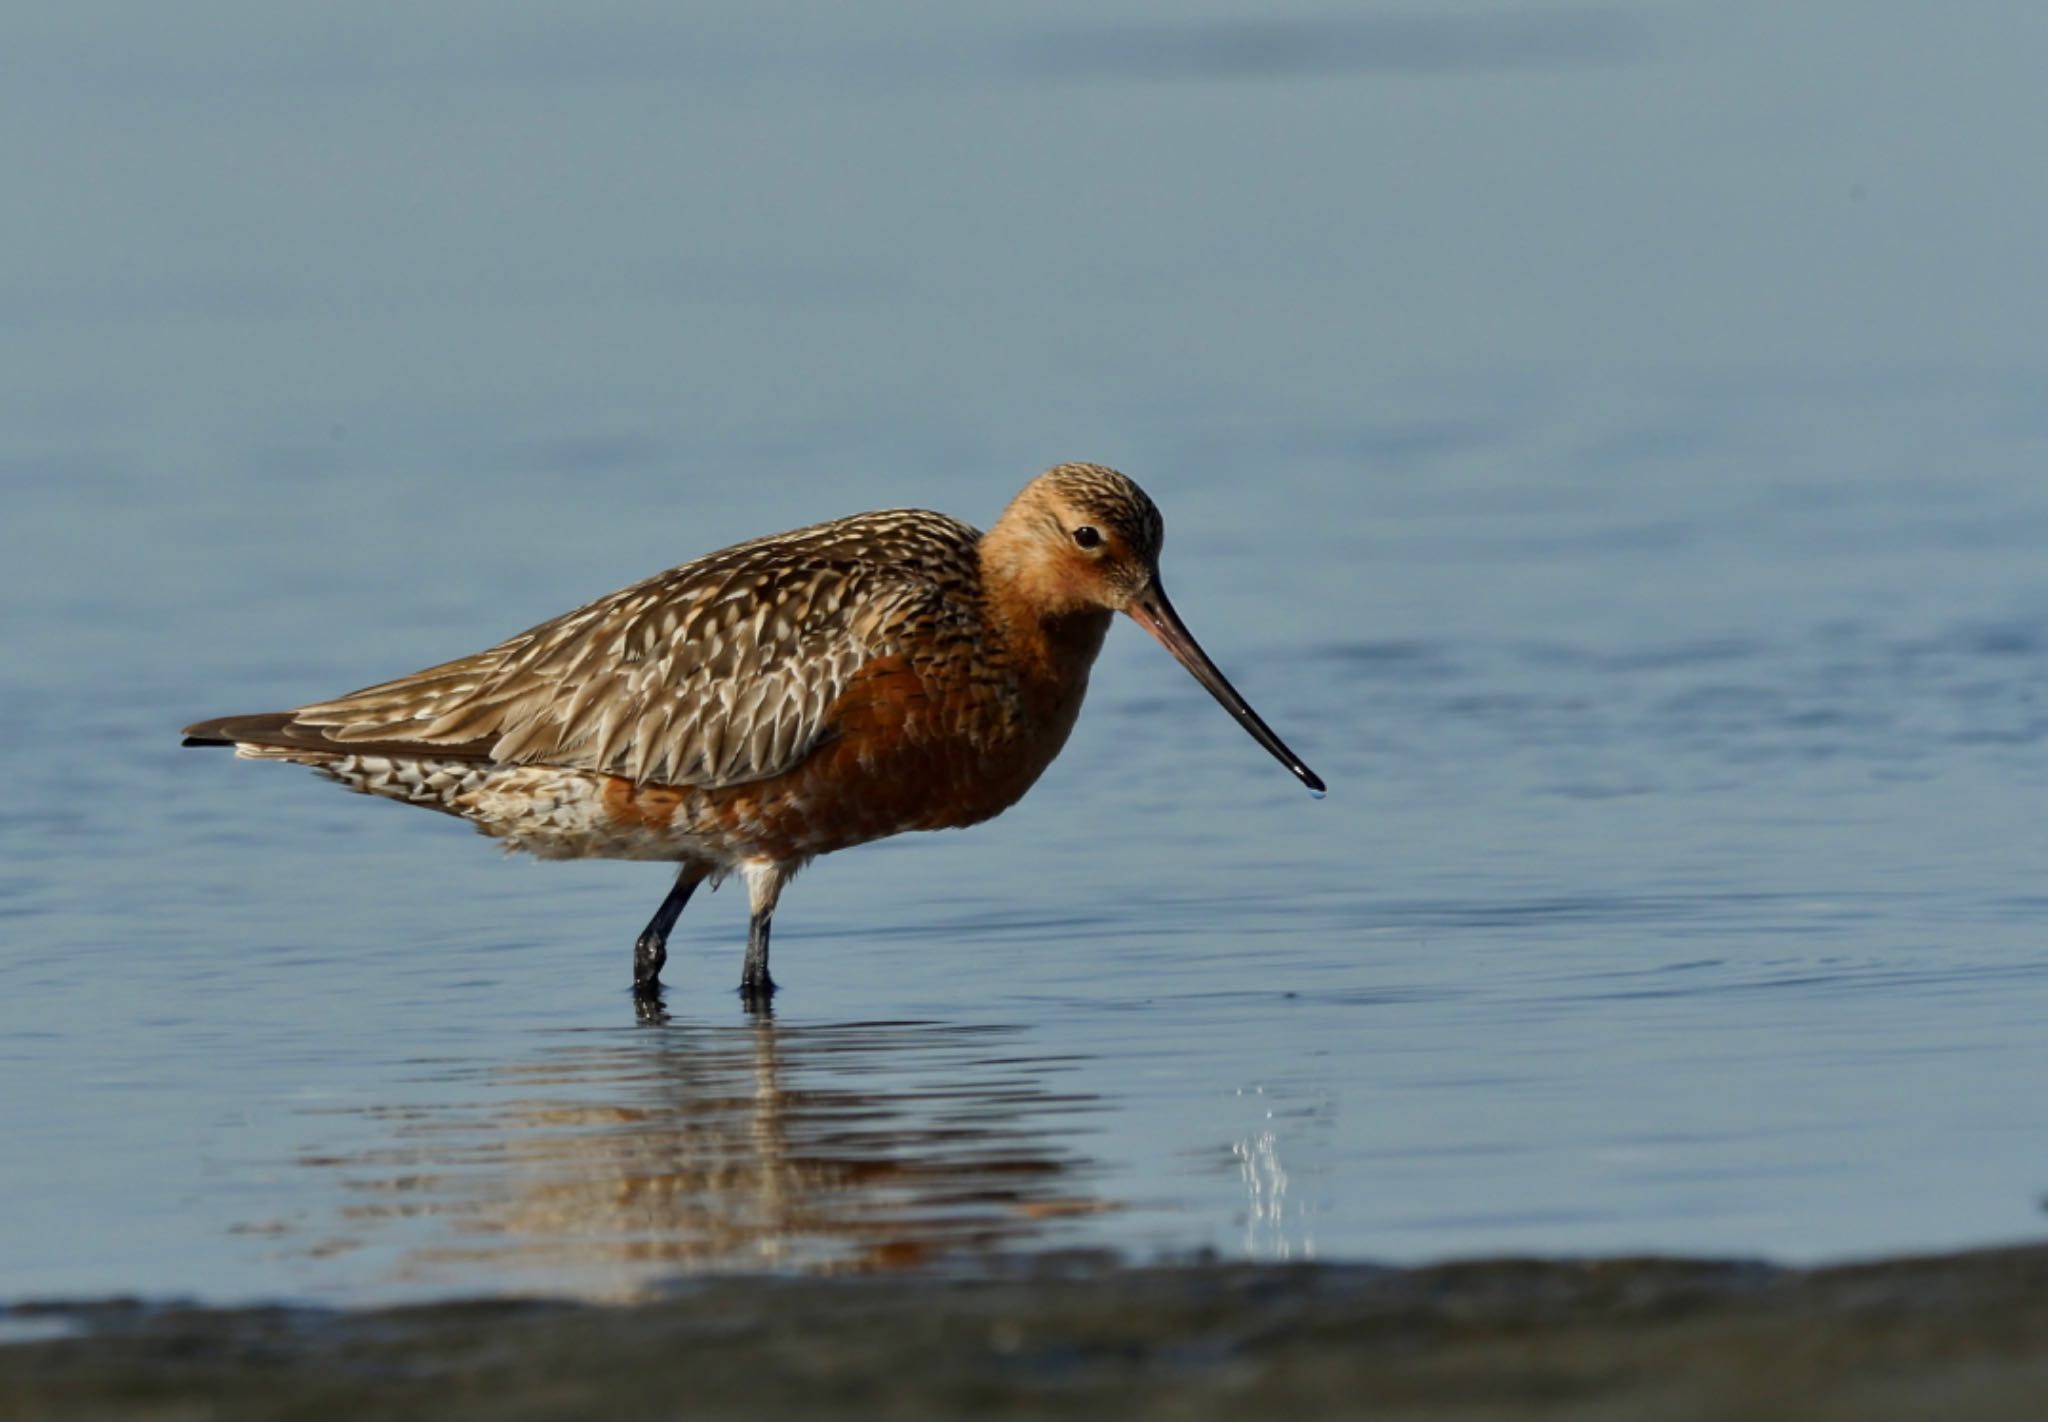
(777, 700)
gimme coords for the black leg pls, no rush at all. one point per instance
(764, 878)
(756, 987)
(651, 951)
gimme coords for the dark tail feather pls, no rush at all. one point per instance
(267, 728)
(281, 730)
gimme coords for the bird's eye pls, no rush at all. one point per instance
(1088, 536)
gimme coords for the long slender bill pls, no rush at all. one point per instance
(1155, 614)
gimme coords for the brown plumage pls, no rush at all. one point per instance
(774, 701)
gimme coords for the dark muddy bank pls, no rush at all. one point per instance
(1956, 1337)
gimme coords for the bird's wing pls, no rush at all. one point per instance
(715, 673)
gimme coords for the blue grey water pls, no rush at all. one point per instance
(1606, 440)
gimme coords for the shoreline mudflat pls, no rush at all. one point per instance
(1956, 1336)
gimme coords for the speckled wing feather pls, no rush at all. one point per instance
(715, 673)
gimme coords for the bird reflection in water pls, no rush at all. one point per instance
(619, 1158)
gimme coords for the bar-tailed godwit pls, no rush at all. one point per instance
(772, 702)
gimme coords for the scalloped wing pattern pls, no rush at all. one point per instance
(715, 673)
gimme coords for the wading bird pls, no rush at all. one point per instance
(772, 702)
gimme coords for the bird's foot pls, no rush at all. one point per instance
(649, 954)
(757, 991)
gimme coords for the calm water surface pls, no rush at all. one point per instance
(1663, 600)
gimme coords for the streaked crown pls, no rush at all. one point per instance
(1114, 500)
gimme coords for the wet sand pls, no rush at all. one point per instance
(1957, 1337)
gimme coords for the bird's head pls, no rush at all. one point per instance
(1083, 539)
